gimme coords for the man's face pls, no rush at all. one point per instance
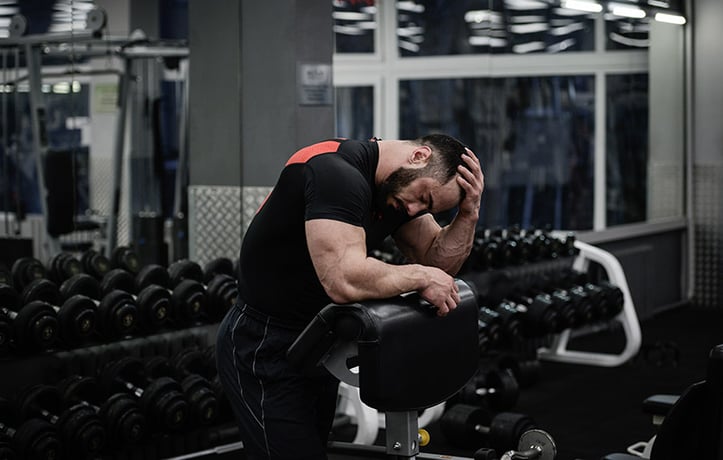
(414, 192)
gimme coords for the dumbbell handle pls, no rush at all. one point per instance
(137, 391)
(485, 391)
(529, 454)
(7, 431)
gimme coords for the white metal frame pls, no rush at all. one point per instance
(628, 318)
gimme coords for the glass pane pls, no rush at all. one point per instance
(67, 117)
(534, 137)
(354, 24)
(355, 112)
(626, 33)
(448, 27)
(627, 148)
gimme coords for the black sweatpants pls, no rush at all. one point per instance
(282, 414)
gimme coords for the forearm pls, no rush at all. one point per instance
(453, 244)
(374, 279)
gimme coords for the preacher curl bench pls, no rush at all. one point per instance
(408, 359)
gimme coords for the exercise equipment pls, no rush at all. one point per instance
(526, 370)
(76, 314)
(125, 258)
(117, 312)
(33, 439)
(120, 414)
(203, 405)
(540, 315)
(190, 361)
(34, 327)
(496, 389)
(79, 427)
(62, 266)
(25, 270)
(466, 425)
(161, 399)
(218, 266)
(187, 297)
(95, 264)
(186, 279)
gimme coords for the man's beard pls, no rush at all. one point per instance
(393, 184)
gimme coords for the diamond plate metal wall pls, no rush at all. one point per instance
(708, 234)
(214, 222)
(217, 219)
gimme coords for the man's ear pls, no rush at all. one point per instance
(420, 155)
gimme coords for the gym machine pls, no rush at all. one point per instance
(139, 72)
(375, 337)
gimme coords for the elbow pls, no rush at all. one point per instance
(339, 292)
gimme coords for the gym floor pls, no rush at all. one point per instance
(594, 411)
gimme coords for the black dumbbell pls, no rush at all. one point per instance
(80, 429)
(218, 266)
(34, 327)
(526, 370)
(203, 362)
(34, 439)
(62, 266)
(125, 258)
(496, 389)
(117, 312)
(120, 414)
(191, 300)
(25, 270)
(6, 331)
(152, 303)
(5, 275)
(203, 404)
(161, 399)
(510, 321)
(76, 314)
(540, 314)
(612, 298)
(95, 264)
(468, 426)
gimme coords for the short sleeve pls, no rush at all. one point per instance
(335, 190)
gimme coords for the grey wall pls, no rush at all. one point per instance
(245, 118)
(707, 143)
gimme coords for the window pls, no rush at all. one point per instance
(555, 101)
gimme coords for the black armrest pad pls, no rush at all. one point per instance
(659, 404)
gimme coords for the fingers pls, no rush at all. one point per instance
(450, 302)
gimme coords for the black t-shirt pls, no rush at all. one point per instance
(330, 180)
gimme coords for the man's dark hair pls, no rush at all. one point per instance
(446, 157)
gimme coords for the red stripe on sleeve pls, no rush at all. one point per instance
(305, 154)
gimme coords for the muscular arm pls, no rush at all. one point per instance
(338, 251)
(423, 241)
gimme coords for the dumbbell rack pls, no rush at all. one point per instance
(559, 348)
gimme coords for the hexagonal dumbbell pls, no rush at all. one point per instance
(80, 429)
(120, 414)
(161, 399)
(33, 327)
(33, 439)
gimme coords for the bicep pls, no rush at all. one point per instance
(416, 237)
(335, 248)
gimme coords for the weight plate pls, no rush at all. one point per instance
(541, 440)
